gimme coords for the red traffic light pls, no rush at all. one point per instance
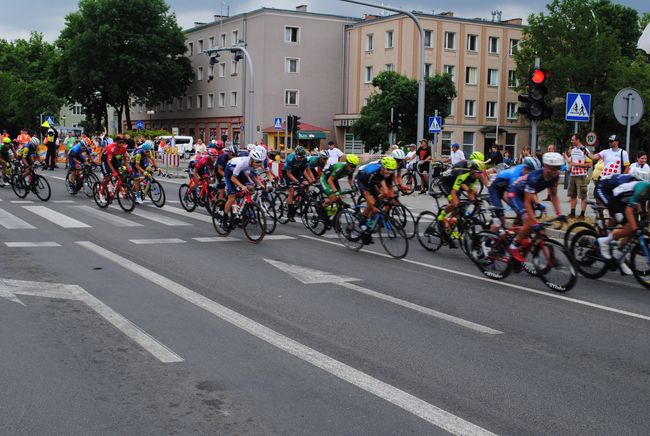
(538, 76)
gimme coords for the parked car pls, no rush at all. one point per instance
(185, 144)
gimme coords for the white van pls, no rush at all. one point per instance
(185, 144)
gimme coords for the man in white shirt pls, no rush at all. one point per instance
(411, 157)
(335, 154)
(641, 162)
(615, 159)
(456, 154)
(578, 177)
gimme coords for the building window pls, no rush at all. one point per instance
(292, 65)
(292, 34)
(234, 68)
(291, 97)
(199, 101)
(428, 38)
(472, 42)
(470, 108)
(390, 67)
(512, 79)
(222, 40)
(370, 42)
(234, 37)
(222, 69)
(468, 143)
(368, 78)
(211, 41)
(77, 109)
(179, 103)
(491, 109)
(493, 45)
(511, 143)
(471, 74)
(389, 39)
(450, 40)
(199, 73)
(222, 99)
(451, 70)
(190, 48)
(512, 111)
(513, 47)
(210, 72)
(233, 98)
(200, 48)
(493, 77)
(447, 139)
(189, 102)
(428, 70)
(210, 101)
(451, 107)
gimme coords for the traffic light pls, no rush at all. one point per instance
(535, 108)
(295, 123)
(290, 123)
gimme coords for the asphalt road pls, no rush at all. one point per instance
(224, 337)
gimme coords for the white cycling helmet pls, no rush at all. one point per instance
(553, 159)
(324, 153)
(250, 147)
(35, 141)
(257, 155)
(261, 149)
(398, 154)
(640, 174)
(532, 163)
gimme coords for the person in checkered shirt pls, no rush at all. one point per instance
(580, 164)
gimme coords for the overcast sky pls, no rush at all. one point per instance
(20, 17)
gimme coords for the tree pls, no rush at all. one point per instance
(121, 52)
(587, 46)
(401, 94)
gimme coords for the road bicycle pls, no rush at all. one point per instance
(207, 196)
(84, 181)
(266, 200)
(319, 219)
(245, 213)
(150, 187)
(32, 182)
(117, 187)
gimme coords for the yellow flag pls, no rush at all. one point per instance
(46, 125)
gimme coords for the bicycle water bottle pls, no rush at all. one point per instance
(331, 210)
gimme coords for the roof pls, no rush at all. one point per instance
(419, 14)
(304, 127)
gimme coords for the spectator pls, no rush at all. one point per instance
(69, 143)
(456, 155)
(424, 159)
(52, 143)
(130, 143)
(524, 153)
(495, 158)
(616, 159)
(578, 176)
(641, 162)
(335, 154)
(551, 148)
(200, 147)
(507, 159)
(411, 156)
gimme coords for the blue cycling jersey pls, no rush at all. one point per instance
(370, 175)
(222, 161)
(511, 175)
(78, 151)
(533, 183)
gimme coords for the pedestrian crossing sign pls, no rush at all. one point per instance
(50, 120)
(435, 124)
(578, 106)
(277, 124)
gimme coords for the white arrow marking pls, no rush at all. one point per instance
(9, 289)
(309, 276)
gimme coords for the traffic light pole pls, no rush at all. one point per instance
(533, 123)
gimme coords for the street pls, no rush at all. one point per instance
(159, 326)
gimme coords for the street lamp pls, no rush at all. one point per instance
(63, 119)
(420, 134)
(150, 112)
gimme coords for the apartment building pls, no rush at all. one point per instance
(298, 64)
(477, 53)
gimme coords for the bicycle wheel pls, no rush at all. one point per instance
(281, 207)
(554, 266)
(348, 229)
(490, 254)
(586, 254)
(409, 181)
(393, 238)
(41, 188)
(69, 186)
(267, 205)
(220, 219)
(157, 194)
(640, 263)
(18, 185)
(571, 231)
(89, 181)
(253, 222)
(313, 218)
(102, 203)
(404, 217)
(186, 197)
(428, 231)
(436, 188)
(126, 199)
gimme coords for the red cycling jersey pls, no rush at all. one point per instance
(114, 150)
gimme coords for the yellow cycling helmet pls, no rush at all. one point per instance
(389, 163)
(477, 165)
(477, 155)
(6, 140)
(352, 159)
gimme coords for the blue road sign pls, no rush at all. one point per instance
(139, 125)
(435, 124)
(50, 119)
(277, 123)
(578, 106)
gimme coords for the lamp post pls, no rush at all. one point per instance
(420, 134)
(63, 119)
(150, 112)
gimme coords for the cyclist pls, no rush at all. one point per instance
(6, 156)
(293, 172)
(329, 181)
(314, 164)
(372, 182)
(461, 177)
(28, 153)
(203, 169)
(399, 156)
(522, 194)
(239, 174)
(113, 157)
(249, 148)
(77, 157)
(141, 162)
(220, 166)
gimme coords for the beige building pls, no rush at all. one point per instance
(298, 62)
(477, 53)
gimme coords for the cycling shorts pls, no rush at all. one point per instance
(231, 188)
(73, 164)
(496, 191)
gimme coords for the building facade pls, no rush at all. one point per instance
(477, 53)
(298, 64)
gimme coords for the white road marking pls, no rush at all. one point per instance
(9, 221)
(408, 402)
(108, 217)
(502, 283)
(9, 288)
(21, 201)
(162, 219)
(216, 239)
(31, 244)
(57, 218)
(63, 201)
(57, 177)
(194, 215)
(278, 237)
(157, 241)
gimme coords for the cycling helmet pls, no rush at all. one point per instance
(477, 155)
(324, 153)
(146, 147)
(35, 141)
(232, 149)
(389, 163)
(219, 144)
(476, 165)
(553, 159)
(213, 152)
(261, 149)
(257, 155)
(6, 140)
(250, 147)
(352, 159)
(640, 174)
(531, 163)
(300, 151)
(398, 154)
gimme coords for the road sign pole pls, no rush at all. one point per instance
(575, 128)
(286, 128)
(628, 116)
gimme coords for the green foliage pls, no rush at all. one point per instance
(587, 46)
(148, 133)
(117, 52)
(401, 94)
(26, 90)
